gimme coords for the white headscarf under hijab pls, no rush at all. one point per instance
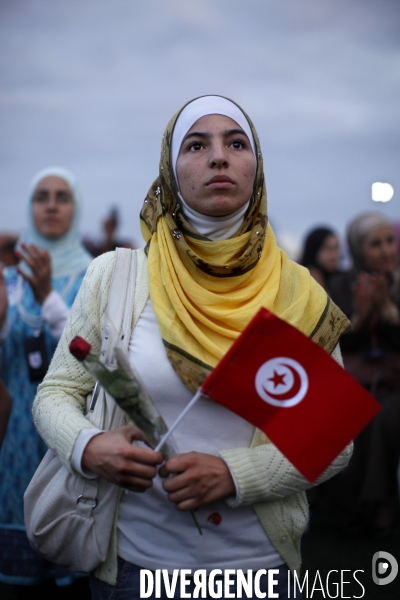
(68, 255)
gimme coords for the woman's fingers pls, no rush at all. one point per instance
(31, 255)
(176, 465)
(196, 479)
(136, 482)
(31, 250)
(133, 433)
(34, 257)
(184, 499)
(112, 456)
(39, 261)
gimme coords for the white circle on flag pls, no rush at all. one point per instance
(281, 382)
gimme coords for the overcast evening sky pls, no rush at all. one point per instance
(91, 84)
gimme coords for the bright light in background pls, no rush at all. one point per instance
(382, 192)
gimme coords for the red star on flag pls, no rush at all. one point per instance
(277, 379)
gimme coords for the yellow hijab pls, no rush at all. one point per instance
(205, 292)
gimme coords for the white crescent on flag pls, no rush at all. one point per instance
(281, 382)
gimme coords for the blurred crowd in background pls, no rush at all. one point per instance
(40, 273)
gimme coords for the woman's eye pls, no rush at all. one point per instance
(194, 146)
(63, 198)
(237, 144)
(42, 197)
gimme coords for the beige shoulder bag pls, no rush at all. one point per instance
(68, 518)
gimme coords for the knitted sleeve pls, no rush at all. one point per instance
(61, 398)
(262, 473)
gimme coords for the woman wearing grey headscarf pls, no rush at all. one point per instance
(365, 495)
(372, 288)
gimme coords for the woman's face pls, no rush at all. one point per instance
(216, 166)
(380, 250)
(52, 207)
(328, 255)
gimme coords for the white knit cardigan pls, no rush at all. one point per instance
(265, 478)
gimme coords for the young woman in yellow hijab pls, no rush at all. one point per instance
(210, 262)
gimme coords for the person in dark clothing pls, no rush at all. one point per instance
(321, 255)
(364, 497)
(110, 239)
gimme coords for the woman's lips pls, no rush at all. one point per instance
(220, 182)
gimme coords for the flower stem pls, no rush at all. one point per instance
(196, 522)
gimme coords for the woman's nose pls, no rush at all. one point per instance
(387, 249)
(52, 203)
(218, 156)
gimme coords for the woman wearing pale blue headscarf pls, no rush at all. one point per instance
(35, 298)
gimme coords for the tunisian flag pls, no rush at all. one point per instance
(279, 380)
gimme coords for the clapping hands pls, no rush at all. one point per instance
(371, 296)
(39, 262)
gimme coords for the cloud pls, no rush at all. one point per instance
(92, 85)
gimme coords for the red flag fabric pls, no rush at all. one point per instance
(279, 380)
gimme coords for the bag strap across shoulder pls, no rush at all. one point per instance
(118, 323)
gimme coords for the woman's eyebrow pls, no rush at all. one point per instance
(204, 135)
(40, 193)
(229, 132)
(196, 134)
